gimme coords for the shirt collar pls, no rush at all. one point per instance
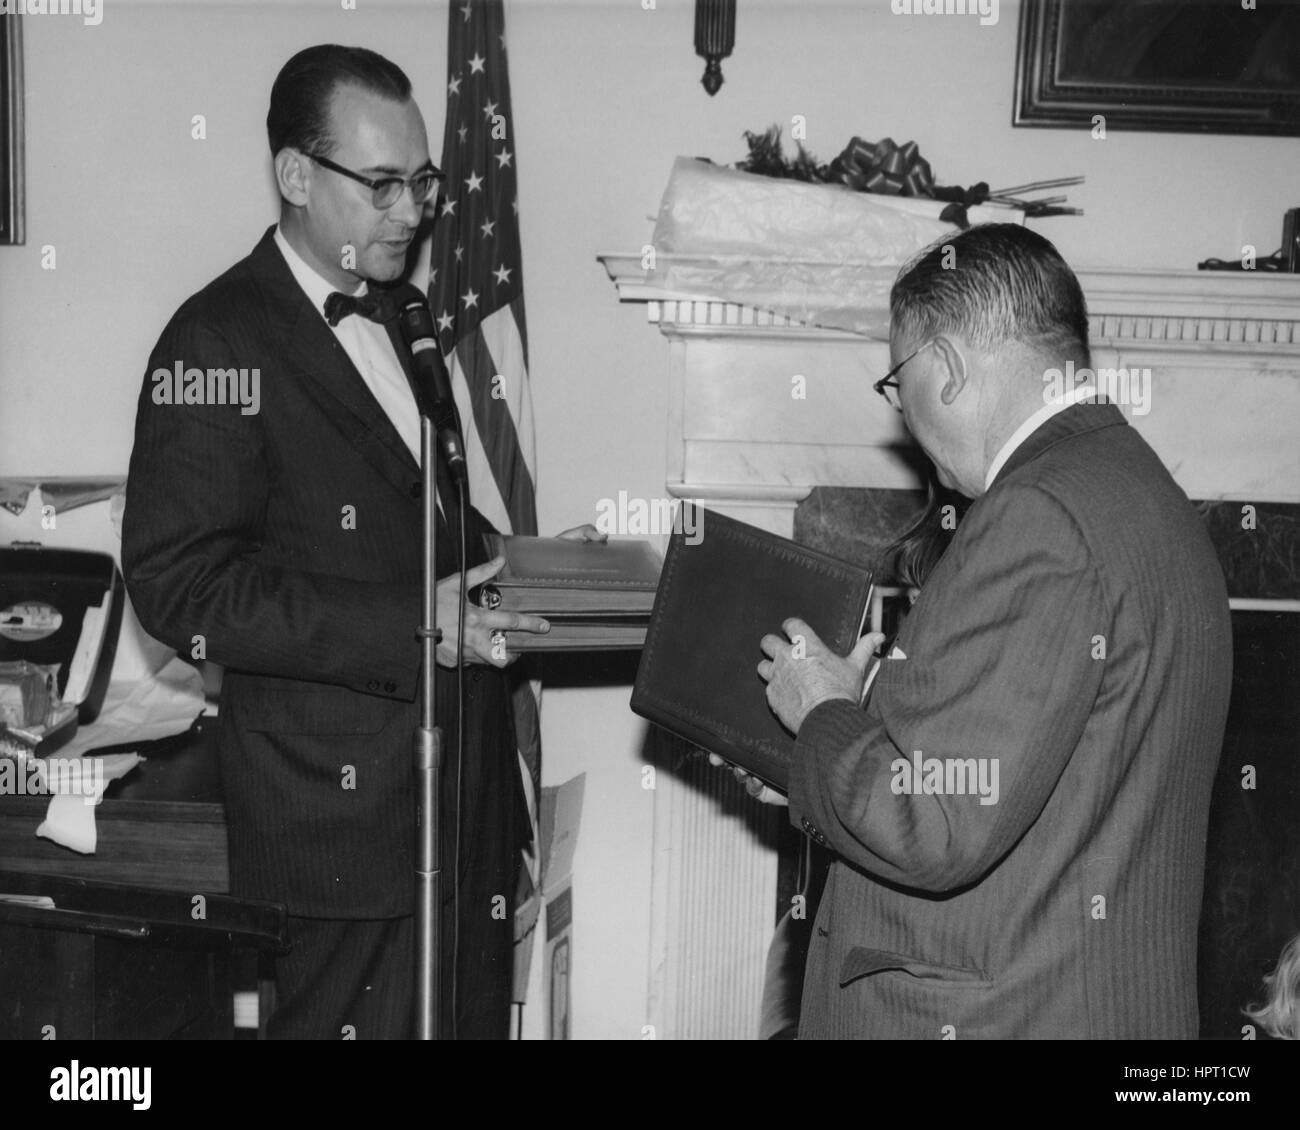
(1032, 424)
(314, 285)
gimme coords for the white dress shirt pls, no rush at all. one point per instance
(368, 345)
(1032, 424)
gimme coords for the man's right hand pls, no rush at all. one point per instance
(481, 624)
(756, 788)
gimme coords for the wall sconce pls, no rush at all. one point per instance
(715, 36)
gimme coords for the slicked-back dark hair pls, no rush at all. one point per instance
(299, 117)
(999, 283)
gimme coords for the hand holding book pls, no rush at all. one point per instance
(763, 793)
(484, 629)
(801, 672)
(595, 594)
(795, 686)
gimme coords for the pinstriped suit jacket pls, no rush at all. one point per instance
(1077, 631)
(290, 541)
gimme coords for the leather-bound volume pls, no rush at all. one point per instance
(597, 596)
(723, 588)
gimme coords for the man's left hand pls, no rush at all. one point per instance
(801, 672)
(583, 533)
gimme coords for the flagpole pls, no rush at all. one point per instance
(475, 289)
(428, 762)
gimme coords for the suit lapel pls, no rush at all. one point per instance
(314, 353)
(446, 492)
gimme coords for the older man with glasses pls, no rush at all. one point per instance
(1018, 810)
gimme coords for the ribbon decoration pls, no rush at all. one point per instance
(884, 167)
(961, 199)
(899, 170)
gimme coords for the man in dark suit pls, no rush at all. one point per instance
(280, 537)
(1019, 811)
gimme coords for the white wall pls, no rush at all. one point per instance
(605, 96)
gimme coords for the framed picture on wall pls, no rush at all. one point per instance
(11, 123)
(1193, 66)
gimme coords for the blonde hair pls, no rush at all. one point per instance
(1279, 1015)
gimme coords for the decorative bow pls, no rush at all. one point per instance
(884, 167)
(959, 200)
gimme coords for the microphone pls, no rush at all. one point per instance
(416, 323)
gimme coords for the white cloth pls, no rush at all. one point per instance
(368, 345)
(1031, 425)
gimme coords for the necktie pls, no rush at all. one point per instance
(377, 305)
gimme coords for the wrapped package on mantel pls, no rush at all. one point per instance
(819, 253)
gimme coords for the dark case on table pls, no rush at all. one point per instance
(34, 579)
(716, 599)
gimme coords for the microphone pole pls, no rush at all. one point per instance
(439, 428)
(428, 767)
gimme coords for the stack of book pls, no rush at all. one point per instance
(597, 596)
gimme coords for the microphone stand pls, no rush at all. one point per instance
(428, 760)
(436, 405)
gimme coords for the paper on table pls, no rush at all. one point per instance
(140, 711)
(150, 708)
(78, 785)
(87, 650)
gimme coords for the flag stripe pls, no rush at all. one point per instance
(483, 489)
(496, 427)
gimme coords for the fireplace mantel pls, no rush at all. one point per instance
(1245, 299)
(1223, 349)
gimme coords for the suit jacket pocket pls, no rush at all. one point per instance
(861, 961)
(284, 706)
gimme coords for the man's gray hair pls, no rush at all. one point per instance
(992, 284)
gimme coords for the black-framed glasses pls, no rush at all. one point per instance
(386, 191)
(887, 386)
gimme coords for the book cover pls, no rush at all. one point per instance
(717, 598)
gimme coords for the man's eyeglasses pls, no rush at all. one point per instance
(887, 386)
(386, 191)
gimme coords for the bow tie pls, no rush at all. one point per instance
(377, 305)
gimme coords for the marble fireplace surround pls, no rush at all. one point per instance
(1223, 349)
(1224, 415)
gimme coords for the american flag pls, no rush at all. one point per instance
(476, 293)
(476, 288)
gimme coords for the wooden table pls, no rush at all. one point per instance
(144, 942)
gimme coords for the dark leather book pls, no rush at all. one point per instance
(596, 595)
(717, 598)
